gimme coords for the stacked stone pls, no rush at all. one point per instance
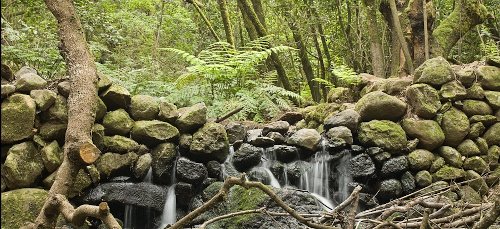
(445, 129)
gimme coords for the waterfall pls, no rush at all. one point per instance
(285, 175)
(227, 168)
(169, 215)
(149, 176)
(316, 179)
(344, 177)
(149, 179)
(268, 159)
(128, 216)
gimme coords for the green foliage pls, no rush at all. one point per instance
(345, 75)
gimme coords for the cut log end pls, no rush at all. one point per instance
(89, 153)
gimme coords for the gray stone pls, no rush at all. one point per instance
(291, 117)
(361, 166)
(477, 164)
(341, 132)
(476, 129)
(153, 132)
(117, 122)
(448, 173)
(394, 166)
(389, 189)
(210, 143)
(306, 138)
(18, 118)
(142, 166)
(475, 92)
(486, 120)
(190, 171)
(235, 131)
(285, 153)
(408, 182)
(438, 163)
(436, 72)
(50, 131)
(191, 118)
(493, 98)
(116, 97)
(246, 157)
(7, 90)
(477, 182)
(276, 137)
(348, 118)
(262, 142)
(29, 81)
(144, 107)
(379, 105)
(214, 169)
(101, 110)
(103, 83)
(277, 126)
(467, 76)
(43, 98)
(23, 166)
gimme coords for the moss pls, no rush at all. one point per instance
(21, 206)
(420, 159)
(319, 112)
(448, 173)
(477, 164)
(18, 118)
(476, 107)
(384, 134)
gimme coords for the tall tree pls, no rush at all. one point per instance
(226, 22)
(376, 48)
(205, 19)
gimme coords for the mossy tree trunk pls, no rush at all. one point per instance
(415, 13)
(375, 35)
(226, 22)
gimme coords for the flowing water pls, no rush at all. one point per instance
(344, 177)
(227, 167)
(128, 216)
(169, 215)
(268, 159)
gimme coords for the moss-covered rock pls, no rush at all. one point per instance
(23, 166)
(29, 81)
(53, 130)
(43, 98)
(475, 92)
(210, 143)
(7, 90)
(451, 156)
(103, 83)
(379, 105)
(21, 206)
(477, 182)
(492, 135)
(436, 71)
(420, 159)
(113, 164)
(144, 107)
(476, 129)
(448, 173)
(389, 189)
(423, 178)
(191, 118)
(117, 122)
(63, 88)
(153, 132)
(119, 144)
(493, 98)
(452, 91)
(477, 164)
(486, 120)
(469, 195)
(455, 126)
(116, 97)
(467, 76)
(57, 112)
(482, 145)
(493, 156)
(468, 148)
(490, 77)
(428, 132)
(317, 114)
(18, 118)
(98, 136)
(81, 182)
(476, 107)
(167, 112)
(142, 166)
(438, 163)
(423, 99)
(101, 110)
(308, 139)
(52, 156)
(493, 178)
(385, 134)
(162, 165)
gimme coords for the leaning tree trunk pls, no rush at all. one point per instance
(375, 39)
(82, 102)
(226, 22)
(466, 15)
(399, 32)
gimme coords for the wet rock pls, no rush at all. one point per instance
(116, 97)
(468, 148)
(306, 138)
(436, 72)
(476, 107)
(340, 132)
(295, 170)
(385, 134)
(190, 171)
(477, 182)
(277, 137)
(23, 166)
(285, 153)
(21, 206)
(52, 156)
(438, 163)
(167, 112)
(424, 100)
(214, 169)
(277, 126)
(163, 159)
(57, 112)
(389, 189)
(183, 193)
(452, 91)
(420, 159)
(64, 88)
(455, 126)
(262, 142)
(408, 182)
(191, 118)
(492, 135)
(394, 166)
(428, 132)
(29, 81)
(235, 131)
(210, 143)
(451, 156)
(291, 117)
(144, 107)
(361, 166)
(18, 118)
(378, 105)
(490, 77)
(117, 122)
(153, 132)
(119, 144)
(348, 118)
(43, 98)
(142, 166)
(112, 164)
(252, 134)
(477, 164)
(448, 173)
(423, 178)
(246, 157)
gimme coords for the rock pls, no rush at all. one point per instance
(103, 82)
(18, 118)
(448, 173)
(492, 135)
(493, 60)
(167, 112)
(43, 98)
(452, 91)
(142, 166)
(50, 131)
(117, 122)
(116, 97)
(262, 142)
(291, 117)
(490, 77)
(285, 153)
(469, 195)
(475, 92)
(21, 206)
(423, 178)
(493, 156)
(493, 178)
(162, 165)
(493, 98)
(468, 148)
(251, 135)
(23, 166)
(378, 105)
(7, 73)
(276, 137)
(29, 81)
(63, 88)
(184, 192)
(295, 169)
(57, 112)
(385, 134)
(306, 138)
(361, 166)
(477, 182)
(190, 171)
(424, 100)
(451, 156)
(119, 144)
(389, 189)
(81, 182)
(214, 169)
(235, 131)
(455, 126)
(52, 156)
(348, 118)
(185, 141)
(482, 145)
(486, 120)
(477, 164)
(113, 164)
(246, 157)
(153, 132)
(101, 110)
(438, 163)
(476, 107)
(420, 159)
(277, 126)
(428, 132)
(191, 118)
(138, 194)
(408, 182)
(467, 76)
(7, 89)
(340, 132)
(210, 143)
(476, 129)
(144, 107)
(391, 86)
(25, 70)
(436, 72)
(394, 166)
(381, 157)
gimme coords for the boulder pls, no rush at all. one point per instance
(455, 126)
(117, 122)
(119, 144)
(285, 153)
(210, 143)
(408, 182)
(153, 132)
(235, 131)
(340, 132)
(428, 132)
(420, 159)
(379, 105)
(191, 118)
(475, 92)
(63, 88)
(276, 137)
(50, 131)
(116, 97)
(18, 118)
(493, 98)
(190, 171)
(436, 72)
(43, 98)
(477, 182)
(490, 77)
(467, 76)
(167, 112)
(469, 195)
(492, 135)
(438, 163)
(361, 166)
(424, 100)
(262, 142)
(163, 160)
(101, 110)
(468, 148)
(23, 166)
(29, 81)
(306, 138)
(24, 70)
(452, 91)
(113, 164)
(423, 178)
(7, 90)
(486, 120)
(389, 189)
(144, 107)
(52, 156)
(477, 164)
(348, 118)
(476, 129)
(291, 117)
(394, 166)
(214, 169)
(251, 135)
(246, 157)
(142, 166)
(448, 173)
(476, 107)
(277, 126)
(385, 134)
(103, 83)
(21, 206)
(451, 156)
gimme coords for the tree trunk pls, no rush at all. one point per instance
(259, 10)
(252, 33)
(82, 102)
(395, 46)
(225, 20)
(397, 27)
(205, 19)
(317, 46)
(416, 17)
(375, 39)
(466, 15)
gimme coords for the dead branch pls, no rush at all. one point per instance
(228, 115)
(490, 216)
(387, 224)
(354, 207)
(344, 204)
(233, 214)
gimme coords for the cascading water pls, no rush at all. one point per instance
(169, 215)
(227, 167)
(128, 216)
(268, 159)
(316, 179)
(148, 179)
(344, 177)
